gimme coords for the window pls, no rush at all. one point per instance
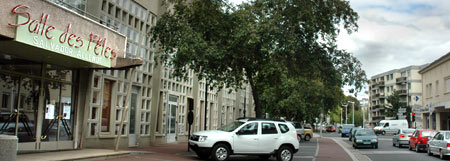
(269, 128)
(249, 129)
(283, 128)
(447, 85)
(437, 88)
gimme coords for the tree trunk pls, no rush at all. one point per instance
(256, 99)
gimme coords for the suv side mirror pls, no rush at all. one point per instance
(239, 132)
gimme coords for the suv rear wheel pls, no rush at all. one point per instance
(285, 153)
(220, 152)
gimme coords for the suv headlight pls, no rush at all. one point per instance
(202, 138)
(374, 140)
(359, 141)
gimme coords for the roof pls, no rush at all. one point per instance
(258, 119)
(436, 63)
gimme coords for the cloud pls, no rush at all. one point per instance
(396, 34)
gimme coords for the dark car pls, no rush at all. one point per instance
(352, 133)
(419, 139)
(365, 138)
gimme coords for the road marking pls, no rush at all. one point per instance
(385, 152)
(317, 150)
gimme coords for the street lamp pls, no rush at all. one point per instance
(353, 113)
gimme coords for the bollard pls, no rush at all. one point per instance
(8, 147)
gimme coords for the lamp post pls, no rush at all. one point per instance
(353, 111)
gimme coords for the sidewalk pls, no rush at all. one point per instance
(84, 154)
(328, 150)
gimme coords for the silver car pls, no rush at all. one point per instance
(439, 144)
(402, 137)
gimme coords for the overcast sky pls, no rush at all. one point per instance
(397, 33)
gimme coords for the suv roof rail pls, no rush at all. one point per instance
(259, 119)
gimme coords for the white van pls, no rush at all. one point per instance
(390, 126)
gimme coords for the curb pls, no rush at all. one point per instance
(354, 154)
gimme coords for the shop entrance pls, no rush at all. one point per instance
(37, 104)
(171, 119)
(132, 137)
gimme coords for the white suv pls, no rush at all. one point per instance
(249, 137)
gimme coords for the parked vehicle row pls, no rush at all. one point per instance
(432, 141)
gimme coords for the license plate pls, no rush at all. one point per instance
(366, 142)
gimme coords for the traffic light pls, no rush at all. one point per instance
(413, 117)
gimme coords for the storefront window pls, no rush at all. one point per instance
(106, 107)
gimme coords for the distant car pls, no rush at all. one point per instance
(352, 133)
(304, 132)
(402, 137)
(439, 144)
(419, 139)
(331, 129)
(346, 129)
(365, 138)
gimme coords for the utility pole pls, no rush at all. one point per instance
(353, 113)
(245, 100)
(346, 112)
(206, 103)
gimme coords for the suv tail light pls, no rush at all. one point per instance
(448, 145)
(402, 135)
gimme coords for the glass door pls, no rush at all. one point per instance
(171, 119)
(132, 137)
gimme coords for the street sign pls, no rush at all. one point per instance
(416, 98)
(400, 113)
(402, 110)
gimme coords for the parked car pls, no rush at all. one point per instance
(352, 133)
(402, 137)
(390, 126)
(346, 129)
(304, 131)
(365, 138)
(247, 137)
(331, 129)
(439, 144)
(419, 139)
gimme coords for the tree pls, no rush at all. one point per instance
(264, 43)
(396, 103)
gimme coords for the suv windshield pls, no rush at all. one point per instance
(231, 126)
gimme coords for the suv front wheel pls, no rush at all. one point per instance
(285, 153)
(220, 152)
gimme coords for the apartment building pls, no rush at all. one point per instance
(406, 80)
(94, 97)
(436, 102)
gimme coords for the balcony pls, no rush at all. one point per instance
(380, 95)
(401, 80)
(403, 92)
(380, 84)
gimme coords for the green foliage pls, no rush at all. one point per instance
(395, 101)
(286, 50)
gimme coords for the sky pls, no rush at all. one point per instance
(394, 34)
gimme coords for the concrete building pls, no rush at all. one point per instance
(436, 102)
(91, 94)
(406, 80)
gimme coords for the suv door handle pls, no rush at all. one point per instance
(275, 138)
(255, 139)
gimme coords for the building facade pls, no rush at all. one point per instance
(71, 104)
(406, 80)
(436, 87)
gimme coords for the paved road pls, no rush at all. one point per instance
(385, 151)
